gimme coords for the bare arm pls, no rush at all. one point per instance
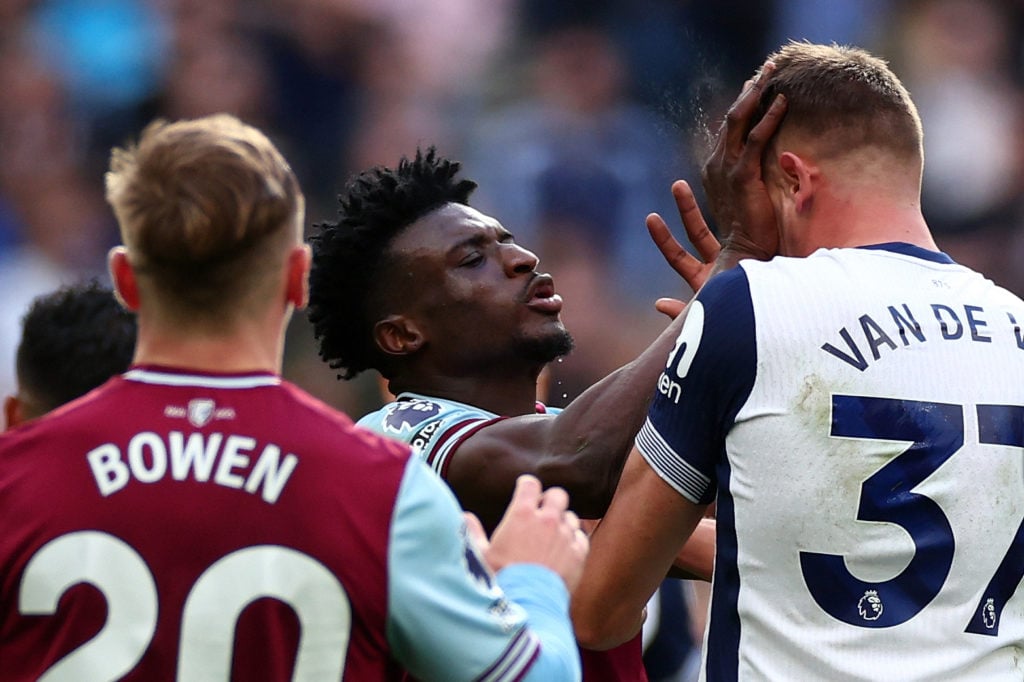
(584, 447)
(640, 537)
(537, 528)
(631, 551)
(696, 560)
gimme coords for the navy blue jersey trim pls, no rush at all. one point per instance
(723, 652)
(709, 377)
(911, 250)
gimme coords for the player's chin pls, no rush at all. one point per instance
(550, 344)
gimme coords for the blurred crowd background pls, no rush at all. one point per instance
(574, 116)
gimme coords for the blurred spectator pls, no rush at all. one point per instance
(847, 22)
(577, 152)
(314, 51)
(575, 114)
(957, 58)
(60, 226)
(110, 56)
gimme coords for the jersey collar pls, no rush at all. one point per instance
(911, 250)
(168, 376)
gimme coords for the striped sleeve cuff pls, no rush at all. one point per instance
(515, 661)
(669, 464)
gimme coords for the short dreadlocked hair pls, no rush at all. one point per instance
(350, 255)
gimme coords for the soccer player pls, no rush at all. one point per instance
(72, 340)
(439, 298)
(855, 405)
(199, 518)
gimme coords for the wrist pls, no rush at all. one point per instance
(737, 247)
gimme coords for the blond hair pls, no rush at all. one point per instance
(846, 98)
(204, 207)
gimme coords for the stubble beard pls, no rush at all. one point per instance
(547, 348)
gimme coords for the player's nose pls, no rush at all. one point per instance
(518, 260)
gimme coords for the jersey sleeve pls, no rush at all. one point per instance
(449, 617)
(433, 428)
(709, 374)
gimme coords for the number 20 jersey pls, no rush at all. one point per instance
(859, 415)
(207, 527)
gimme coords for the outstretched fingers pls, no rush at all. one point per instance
(693, 221)
(692, 269)
(671, 307)
(680, 260)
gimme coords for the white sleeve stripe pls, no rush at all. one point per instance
(452, 439)
(516, 659)
(667, 463)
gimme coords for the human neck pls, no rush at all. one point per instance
(503, 395)
(246, 348)
(860, 219)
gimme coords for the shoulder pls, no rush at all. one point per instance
(727, 286)
(433, 427)
(305, 414)
(410, 414)
(720, 316)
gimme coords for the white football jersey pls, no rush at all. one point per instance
(859, 416)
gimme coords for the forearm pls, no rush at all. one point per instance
(696, 560)
(595, 433)
(735, 249)
(581, 449)
(631, 552)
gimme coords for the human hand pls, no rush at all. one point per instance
(537, 528)
(694, 271)
(732, 176)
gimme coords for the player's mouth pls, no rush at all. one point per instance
(541, 296)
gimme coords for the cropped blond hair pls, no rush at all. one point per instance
(204, 208)
(846, 97)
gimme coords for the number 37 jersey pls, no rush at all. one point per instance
(859, 416)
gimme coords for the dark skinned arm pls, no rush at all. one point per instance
(642, 535)
(583, 448)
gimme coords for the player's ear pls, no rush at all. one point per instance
(12, 412)
(298, 276)
(126, 288)
(398, 335)
(799, 178)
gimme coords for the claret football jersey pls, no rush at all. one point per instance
(435, 428)
(190, 526)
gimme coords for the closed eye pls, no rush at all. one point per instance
(472, 260)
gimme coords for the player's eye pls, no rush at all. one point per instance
(472, 260)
